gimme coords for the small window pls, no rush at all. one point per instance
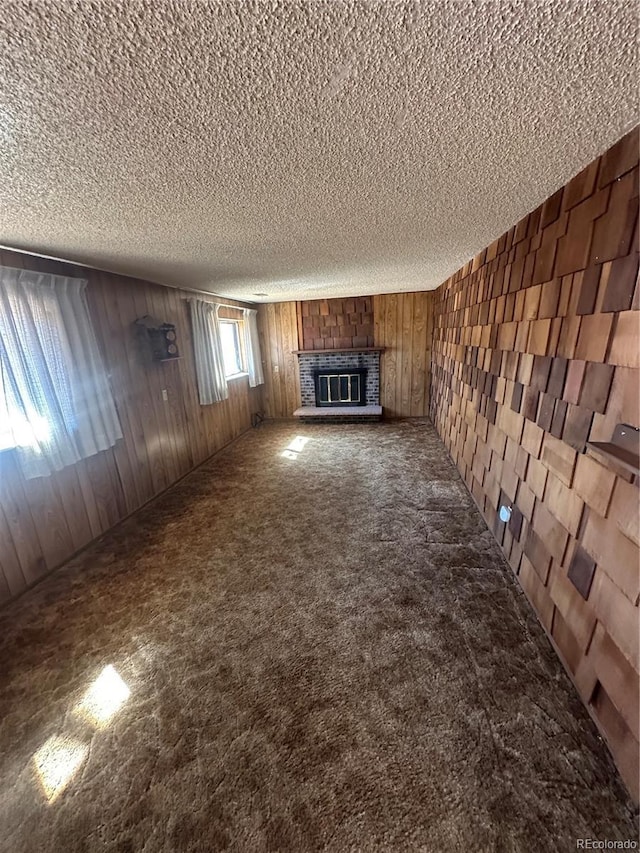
(231, 347)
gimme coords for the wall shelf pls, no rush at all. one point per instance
(618, 456)
(622, 453)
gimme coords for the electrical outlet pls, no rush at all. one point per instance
(276, 368)
(165, 396)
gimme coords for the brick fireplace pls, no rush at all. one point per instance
(339, 364)
(345, 362)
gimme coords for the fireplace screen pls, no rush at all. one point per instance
(345, 387)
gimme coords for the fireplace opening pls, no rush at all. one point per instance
(344, 387)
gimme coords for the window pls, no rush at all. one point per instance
(17, 429)
(6, 432)
(232, 347)
(56, 406)
(224, 348)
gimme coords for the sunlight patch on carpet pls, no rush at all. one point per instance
(295, 447)
(56, 762)
(104, 698)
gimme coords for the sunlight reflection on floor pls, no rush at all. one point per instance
(60, 757)
(56, 762)
(104, 698)
(295, 447)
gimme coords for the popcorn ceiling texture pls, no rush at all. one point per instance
(299, 149)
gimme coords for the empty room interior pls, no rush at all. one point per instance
(319, 425)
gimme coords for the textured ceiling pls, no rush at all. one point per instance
(295, 148)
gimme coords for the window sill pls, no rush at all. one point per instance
(235, 376)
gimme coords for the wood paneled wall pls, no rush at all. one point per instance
(278, 330)
(536, 351)
(44, 521)
(403, 326)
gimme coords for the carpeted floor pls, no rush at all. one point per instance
(324, 651)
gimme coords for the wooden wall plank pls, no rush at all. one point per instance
(49, 519)
(267, 365)
(133, 376)
(278, 329)
(389, 360)
(45, 520)
(111, 339)
(407, 301)
(75, 512)
(12, 578)
(23, 532)
(149, 392)
(277, 350)
(401, 324)
(289, 345)
(418, 392)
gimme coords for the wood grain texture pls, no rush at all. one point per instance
(571, 339)
(278, 331)
(335, 323)
(403, 326)
(44, 521)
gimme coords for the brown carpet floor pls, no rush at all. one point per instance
(324, 651)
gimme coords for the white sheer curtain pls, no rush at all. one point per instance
(252, 347)
(56, 403)
(212, 384)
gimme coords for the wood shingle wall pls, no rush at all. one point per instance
(536, 349)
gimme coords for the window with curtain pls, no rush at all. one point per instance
(208, 351)
(252, 347)
(56, 406)
(223, 348)
(232, 348)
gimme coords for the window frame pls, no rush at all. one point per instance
(239, 346)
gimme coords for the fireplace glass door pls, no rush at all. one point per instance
(344, 387)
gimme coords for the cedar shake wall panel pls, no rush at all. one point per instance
(539, 337)
(337, 323)
(581, 571)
